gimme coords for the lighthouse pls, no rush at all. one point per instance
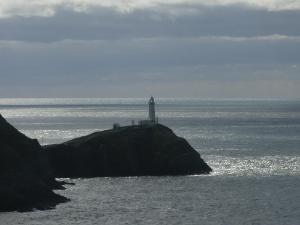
(152, 110)
(152, 120)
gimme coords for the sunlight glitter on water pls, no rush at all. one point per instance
(254, 166)
(46, 137)
(252, 146)
(73, 113)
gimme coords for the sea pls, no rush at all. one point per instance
(253, 147)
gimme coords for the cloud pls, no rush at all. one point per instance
(135, 42)
(107, 24)
(47, 8)
(151, 59)
(192, 48)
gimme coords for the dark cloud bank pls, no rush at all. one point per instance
(231, 52)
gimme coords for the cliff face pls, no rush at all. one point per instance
(26, 181)
(126, 151)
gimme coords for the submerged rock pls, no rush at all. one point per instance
(26, 180)
(126, 151)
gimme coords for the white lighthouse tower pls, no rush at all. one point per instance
(152, 110)
(152, 120)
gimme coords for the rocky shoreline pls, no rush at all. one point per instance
(26, 178)
(28, 170)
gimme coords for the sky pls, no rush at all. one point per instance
(137, 48)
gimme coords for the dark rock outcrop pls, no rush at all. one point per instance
(126, 151)
(27, 170)
(26, 181)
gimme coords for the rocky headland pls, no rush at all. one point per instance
(28, 170)
(26, 178)
(146, 150)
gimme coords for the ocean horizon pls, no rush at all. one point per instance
(252, 146)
